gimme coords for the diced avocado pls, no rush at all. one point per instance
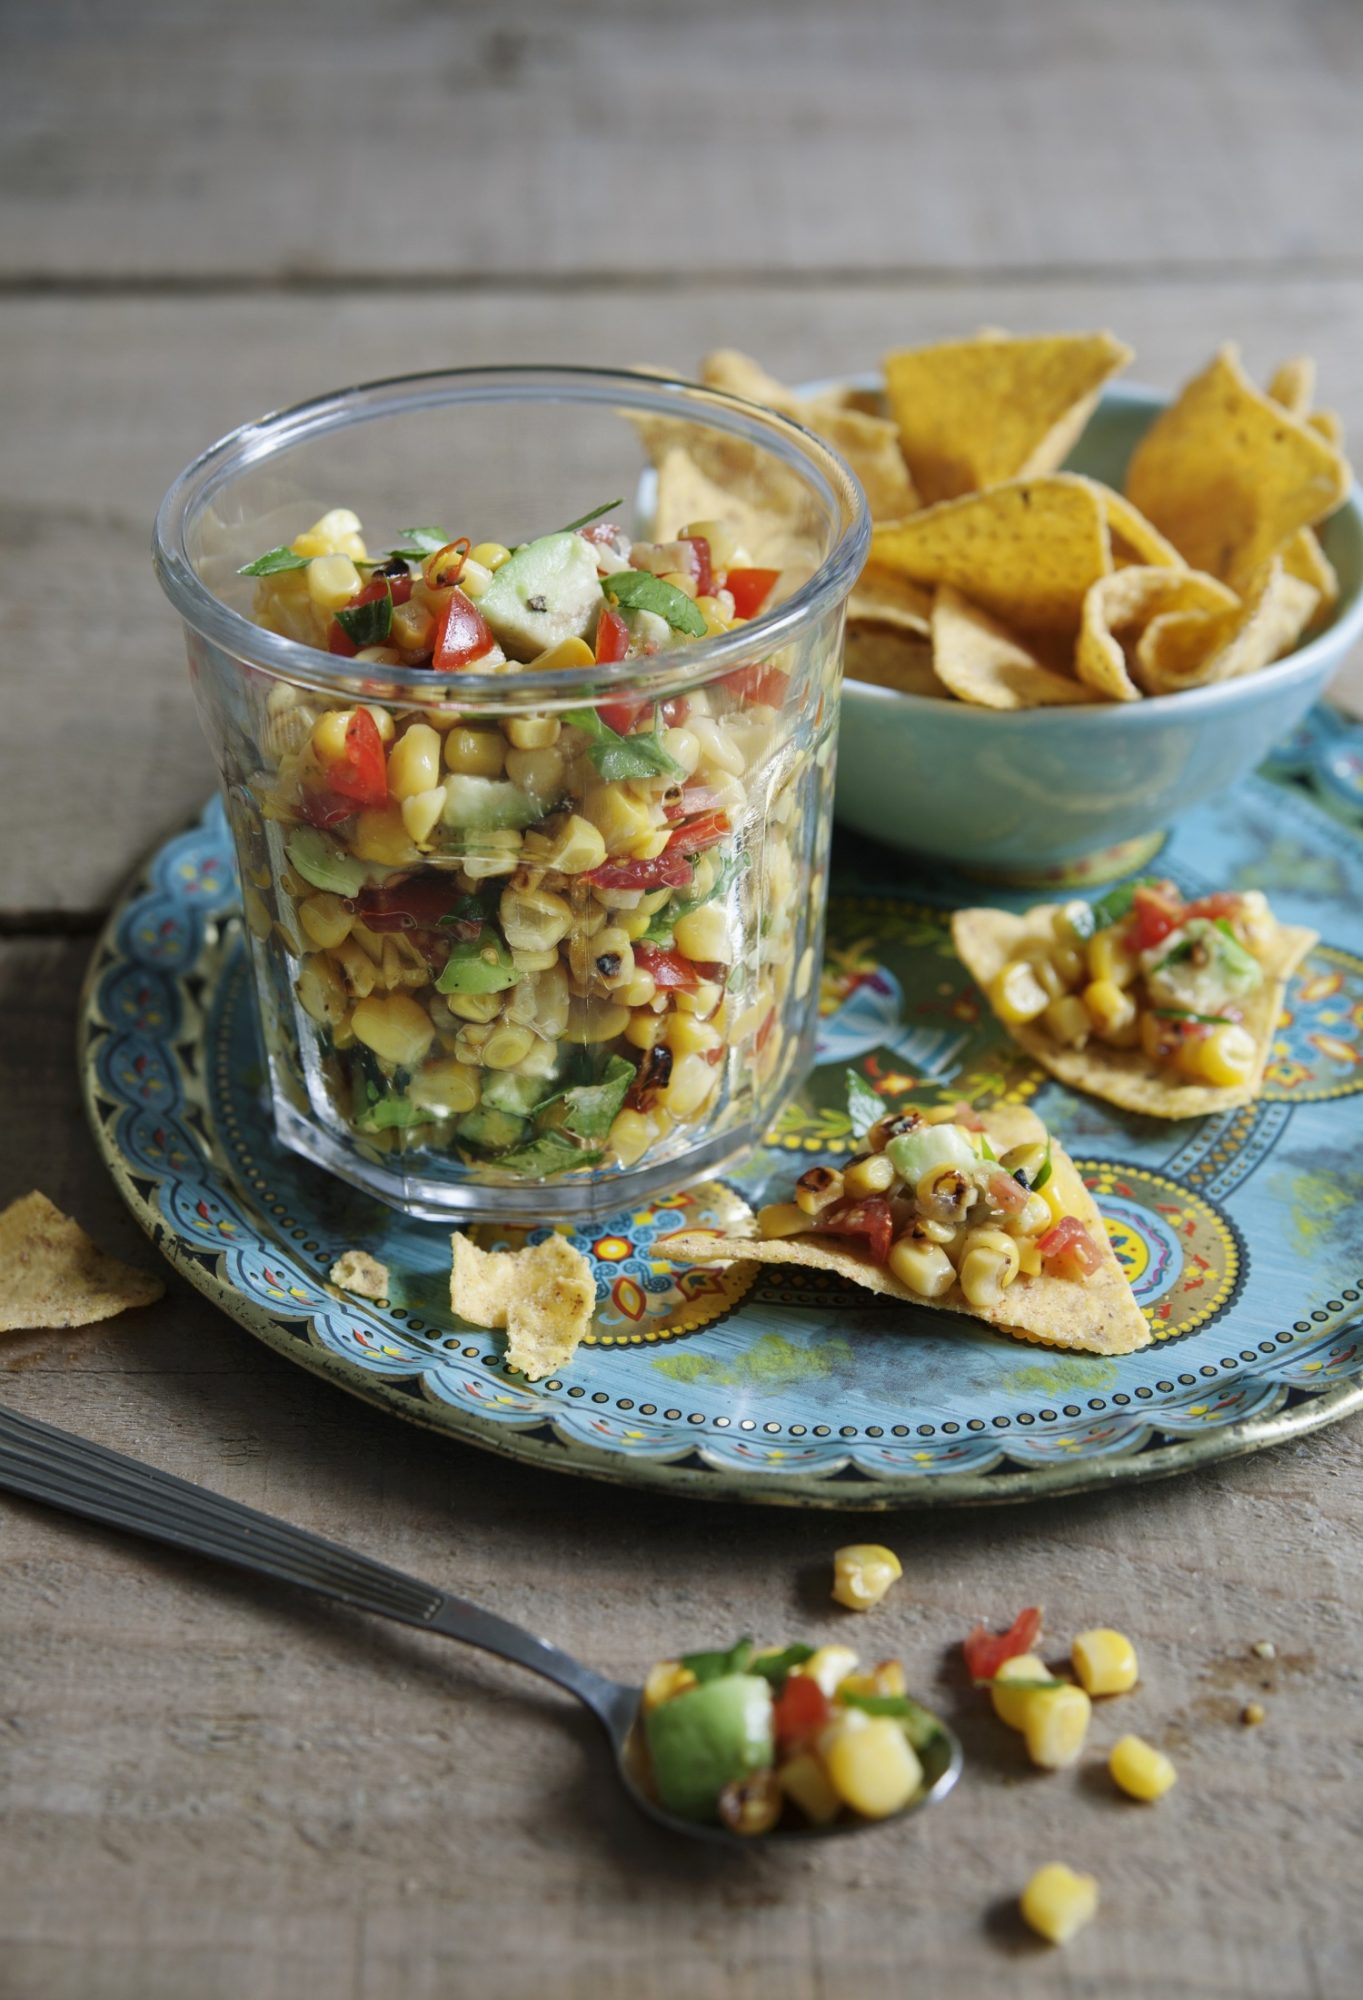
(490, 1130)
(548, 591)
(505, 1091)
(930, 1146)
(479, 964)
(701, 1740)
(482, 805)
(1200, 966)
(324, 863)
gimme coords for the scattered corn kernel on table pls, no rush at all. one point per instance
(213, 1788)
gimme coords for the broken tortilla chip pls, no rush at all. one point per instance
(986, 940)
(51, 1274)
(1195, 649)
(1098, 1316)
(885, 658)
(1134, 538)
(1228, 474)
(542, 1294)
(981, 662)
(879, 597)
(1303, 557)
(1293, 384)
(356, 1271)
(1126, 602)
(1025, 552)
(973, 413)
(766, 525)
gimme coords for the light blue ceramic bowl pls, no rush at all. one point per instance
(1074, 794)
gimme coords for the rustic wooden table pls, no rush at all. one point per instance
(212, 1789)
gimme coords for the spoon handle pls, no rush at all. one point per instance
(81, 1477)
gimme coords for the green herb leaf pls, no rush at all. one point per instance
(919, 1725)
(640, 590)
(1027, 1687)
(392, 1113)
(273, 562)
(547, 1153)
(1043, 1172)
(585, 520)
(1187, 1014)
(367, 624)
(664, 921)
(864, 1104)
(987, 1151)
(775, 1667)
(619, 757)
(1183, 949)
(710, 1666)
(467, 910)
(587, 1110)
(1116, 904)
(421, 541)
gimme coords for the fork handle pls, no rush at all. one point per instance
(72, 1473)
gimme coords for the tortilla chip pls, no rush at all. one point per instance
(979, 661)
(542, 1294)
(972, 413)
(879, 597)
(1098, 1317)
(898, 660)
(1228, 474)
(1133, 537)
(770, 529)
(1026, 552)
(1194, 649)
(870, 444)
(51, 1274)
(1304, 558)
(1126, 602)
(986, 940)
(1330, 426)
(1293, 384)
(356, 1271)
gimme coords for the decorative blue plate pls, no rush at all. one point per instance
(1243, 1233)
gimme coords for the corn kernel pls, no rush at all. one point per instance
(396, 1029)
(328, 734)
(1110, 958)
(805, 1782)
(924, 1267)
(988, 1265)
(631, 1135)
(421, 813)
(1016, 994)
(1055, 1725)
(873, 1769)
(490, 554)
(830, 1666)
(693, 1080)
(381, 836)
(863, 1573)
(414, 761)
(1140, 1770)
(533, 732)
(1068, 1022)
(869, 1173)
(666, 1679)
(1056, 1902)
(686, 1036)
(567, 653)
(1110, 1008)
(781, 1218)
(413, 628)
(1105, 1661)
(478, 753)
(1011, 1704)
(325, 920)
(1224, 1057)
(332, 582)
(446, 1086)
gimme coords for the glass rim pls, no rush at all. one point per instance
(665, 395)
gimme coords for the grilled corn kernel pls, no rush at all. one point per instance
(414, 761)
(944, 1194)
(477, 1007)
(1047, 969)
(1055, 1724)
(686, 1036)
(446, 1086)
(1141, 1771)
(1010, 1704)
(595, 1020)
(645, 1029)
(1224, 1056)
(413, 628)
(830, 1666)
(325, 920)
(1110, 957)
(498, 853)
(1110, 1008)
(704, 933)
(873, 1769)
(332, 582)
(805, 1783)
(885, 1678)
(868, 1173)
(328, 734)
(381, 836)
(1029, 1257)
(988, 1265)
(1072, 924)
(395, 1028)
(1105, 1661)
(1032, 1219)
(533, 732)
(534, 919)
(631, 1135)
(1016, 994)
(421, 813)
(619, 818)
(490, 554)
(924, 1267)
(507, 1045)
(321, 992)
(576, 846)
(781, 1218)
(1067, 1021)
(702, 1000)
(478, 753)
(862, 1573)
(817, 1189)
(693, 1080)
(1056, 1902)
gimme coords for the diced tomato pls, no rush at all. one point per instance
(620, 716)
(324, 809)
(599, 533)
(464, 635)
(339, 641)
(758, 684)
(667, 967)
(1069, 1242)
(693, 836)
(665, 871)
(764, 1032)
(362, 774)
(801, 1710)
(612, 643)
(676, 711)
(705, 574)
(1005, 1192)
(871, 1218)
(417, 904)
(985, 1651)
(750, 589)
(1221, 903)
(1154, 913)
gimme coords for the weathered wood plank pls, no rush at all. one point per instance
(218, 1788)
(98, 695)
(287, 142)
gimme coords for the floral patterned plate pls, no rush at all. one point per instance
(1243, 1234)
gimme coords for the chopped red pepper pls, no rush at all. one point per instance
(800, 1711)
(675, 712)
(764, 1032)
(612, 643)
(750, 589)
(1221, 903)
(664, 871)
(985, 1651)
(871, 1218)
(463, 635)
(693, 836)
(419, 903)
(760, 683)
(705, 573)
(362, 774)
(1155, 911)
(446, 566)
(1069, 1243)
(339, 641)
(324, 809)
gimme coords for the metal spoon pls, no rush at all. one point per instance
(71, 1473)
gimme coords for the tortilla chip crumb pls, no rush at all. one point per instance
(356, 1271)
(51, 1274)
(542, 1295)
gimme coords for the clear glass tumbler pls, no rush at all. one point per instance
(537, 980)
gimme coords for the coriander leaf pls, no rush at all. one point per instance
(391, 1114)
(273, 561)
(1116, 904)
(1187, 1014)
(640, 590)
(987, 1151)
(585, 520)
(367, 624)
(662, 925)
(864, 1104)
(587, 1110)
(1028, 1687)
(919, 1725)
(421, 541)
(547, 1153)
(776, 1666)
(710, 1666)
(617, 757)
(1044, 1170)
